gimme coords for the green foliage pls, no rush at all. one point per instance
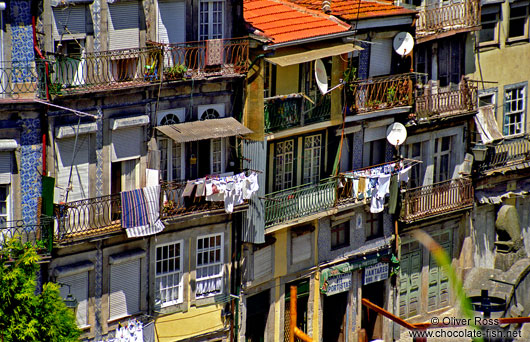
(25, 316)
(176, 71)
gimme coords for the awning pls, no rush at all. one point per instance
(301, 55)
(487, 125)
(206, 129)
(8, 145)
(70, 130)
(66, 3)
(133, 121)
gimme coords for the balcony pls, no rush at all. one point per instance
(304, 200)
(100, 216)
(18, 79)
(507, 154)
(40, 234)
(294, 110)
(446, 16)
(380, 93)
(433, 103)
(436, 199)
(117, 69)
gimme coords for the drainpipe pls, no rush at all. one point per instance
(2, 8)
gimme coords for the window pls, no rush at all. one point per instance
(5, 181)
(124, 175)
(487, 98)
(169, 274)
(450, 58)
(171, 159)
(312, 153)
(124, 286)
(442, 158)
(209, 265)
(518, 25)
(4, 195)
(374, 226)
(300, 245)
(489, 20)
(217, 156)
(514, 110)
(415, 151)
(211, 19)
(77, 286)
(269, 80)
(284, 160)
(340, 235)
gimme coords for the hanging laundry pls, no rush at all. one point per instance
(133, 209)
(394, 194)
(151, 198)
(404, 174)
(190, 186)
(361, 188)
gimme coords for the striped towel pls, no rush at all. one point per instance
(151, 200)
(133, 209)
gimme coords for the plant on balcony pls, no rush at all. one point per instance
(391, 94)
(175, 72)
(168, 207)
(55, 88)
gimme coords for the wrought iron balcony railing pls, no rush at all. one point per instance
(102, 215)
(447, 16)
(440, 102)
(39, 234)
(294, 110)
(507, 153)
(134, 67)
(18, 79)
(289, 204)
(436, 199)
(379, 93)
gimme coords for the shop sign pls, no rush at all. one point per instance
(338, 283)
(375, 273)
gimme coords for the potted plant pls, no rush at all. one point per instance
(175, 72)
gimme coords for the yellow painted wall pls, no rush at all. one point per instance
(506, 64)
(287, 80)
(280, 253)
(196, 321)
(253, 115)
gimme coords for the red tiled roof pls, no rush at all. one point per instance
(347, 9)
(283, 21)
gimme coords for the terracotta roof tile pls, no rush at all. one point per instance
(347, 9)
(283, 21)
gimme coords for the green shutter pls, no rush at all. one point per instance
(410, 282)
(438, 293)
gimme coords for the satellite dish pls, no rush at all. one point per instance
(403, 43)
(396, 134)
(321, 76)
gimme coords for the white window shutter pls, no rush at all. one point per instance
(124, 297)
(73, 17)
(80, 178)
(380, 57)
(263, 262)
(5, 167)
(79, 289)
(124, 32)
(126, 143)
(301, 248)
(171, 21)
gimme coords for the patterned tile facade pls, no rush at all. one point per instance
(358, 141)
(30, 164)
(364, 61)
(22, 52)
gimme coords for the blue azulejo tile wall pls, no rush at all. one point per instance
(22, 52)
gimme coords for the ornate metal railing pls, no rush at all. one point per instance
(446, 16)
(39, 234)
(17, 78)
(380, 93)
(294, 110)
(506, 153)
(436, 199)
(289, 204)
(432, 103)
(88, 217)
(132, 67)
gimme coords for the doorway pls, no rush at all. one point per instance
(334, 322)
(371, 321)
(257, 313)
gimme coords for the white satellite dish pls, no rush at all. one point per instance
(403, 43)
(321, 76)
(396, 134)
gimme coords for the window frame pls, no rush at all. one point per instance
(524, 86)
(486, 10)
(312, 178)
(513, 5)
(278, 186)
(168, 161)
(180, 287)
(222, 154)
(7, 215)
(437, 156)
(369, 232)
(210, 23)
(335, 231)
(220, 263)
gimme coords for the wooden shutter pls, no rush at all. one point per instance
(79, 289)
(123, 25)
(80, 177)
(124, 296)
(171, 21)
(5, 167)
(126, 143)
(380, 57)
(73, 17)
(263, 262)
(301, 247)
(410, 281)
(438, 292)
